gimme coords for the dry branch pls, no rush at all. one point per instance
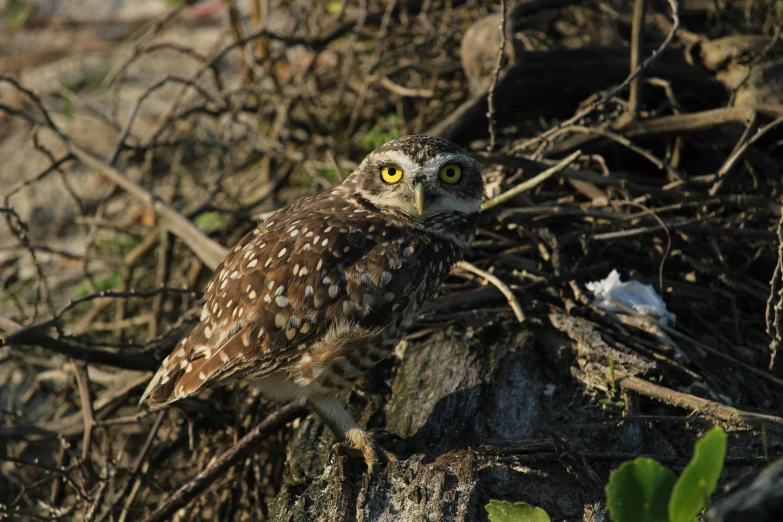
(531, 183)
(35, 336)
(702, 407)
(674, 6)
(238, 451)
(207, 250)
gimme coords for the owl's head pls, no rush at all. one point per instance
(424, 180)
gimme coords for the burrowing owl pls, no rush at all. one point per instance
(326, 287)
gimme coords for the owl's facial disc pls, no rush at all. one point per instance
(447, 183)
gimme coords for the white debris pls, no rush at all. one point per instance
(615, 296)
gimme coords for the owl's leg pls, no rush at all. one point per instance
(345, 429)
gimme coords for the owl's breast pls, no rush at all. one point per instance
(369, 334)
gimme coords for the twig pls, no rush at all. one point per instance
(774, 312)
(401, 90)
(314, 43)
(88, 413)
(728, 165)
(614, 92)
(55, 165)
(755, 61)
(207, 250)
(9, 325)
(650, 212)
(622, 140)
(138, 46)
(695, 122)
(98, 497)
(236, 31)
(20, 230)
(699, 406)
(637, 32)
(140, 100)
(109, 401)
(623, 234)
(34, 336)
(135, 479)
(12, 326)
(107, 294)
(531, 183)
(241, 449)
(738, 152)
(53, 471)
(761, 373)
(496, 76)
(500, 285)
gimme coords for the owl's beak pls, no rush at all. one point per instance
(419, 197)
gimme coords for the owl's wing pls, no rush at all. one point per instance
(317, 265)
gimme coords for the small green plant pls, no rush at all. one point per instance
(114, 244)
(639, 490)
(502, 511)
(611, 375)
(332, 176)
(103, 283)
(383, 131)
(333, 7)
(16, 14)
(68, 107)
(209, 221)
(697, 482)
(643, 490)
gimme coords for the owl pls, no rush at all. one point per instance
(327, 286)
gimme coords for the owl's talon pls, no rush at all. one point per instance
(364, 448)
(339, 449)
(374, 455)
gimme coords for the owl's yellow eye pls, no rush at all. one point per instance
(391, 174)
(451, 173)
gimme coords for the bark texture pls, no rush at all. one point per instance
(446, 409)
(759, 501)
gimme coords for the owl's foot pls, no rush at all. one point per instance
(357, 443)
(359, 446)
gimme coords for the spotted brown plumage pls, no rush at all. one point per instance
(326, 287)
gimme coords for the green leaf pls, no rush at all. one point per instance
(502, 511)
(106, 282)
(209, 221)
(333, 7)
(332, 176)
(609, 403)
(16, 13)
(611, 374)
(125, 240)
(103, 282)
(699, 478)
(68, 108)
(382, 131)
(639, 490)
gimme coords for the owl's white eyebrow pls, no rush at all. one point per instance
(405, 162)
(441, 159)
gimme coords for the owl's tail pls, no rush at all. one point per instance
(192, 364)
